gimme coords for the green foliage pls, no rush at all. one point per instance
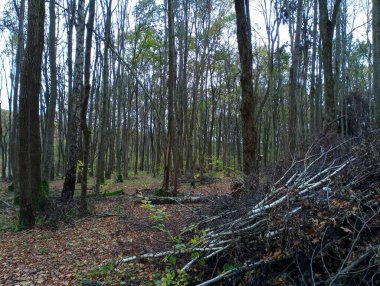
(156, 212)
(108, 194)
(119, 178)
(7, 224)
(114, 193)
(80, 166)
(170, 277)
(173, 274)
(104, 274)
(229, 266)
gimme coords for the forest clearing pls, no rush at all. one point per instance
(190, 142)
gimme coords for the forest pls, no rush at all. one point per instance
(190, 142)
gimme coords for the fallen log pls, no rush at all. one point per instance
(176, 200)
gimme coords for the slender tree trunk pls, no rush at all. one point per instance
(48, 163)
(327, 27)
(74, 128)
(313, 114)
(376, 57)
(71, 7)
(171, 89)
(100, 168)
(87, 88)
(14, 145)
(293, 77)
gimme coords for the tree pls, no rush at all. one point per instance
(171, 88)
(247, 109)
(48, 162)
(14, 146)
(30, 150)
(106, 98)
(376, 57)
(294, 82)
(74, 127)
(87, 87)
(327, 27)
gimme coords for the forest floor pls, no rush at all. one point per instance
(80, 251)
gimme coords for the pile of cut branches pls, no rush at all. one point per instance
(318, 224)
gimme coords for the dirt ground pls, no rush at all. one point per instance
(92, 247)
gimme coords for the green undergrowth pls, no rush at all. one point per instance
(106, 194)
(106, 274)
(7, 223)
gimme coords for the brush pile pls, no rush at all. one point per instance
(317, 224)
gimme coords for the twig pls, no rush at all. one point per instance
(8, 205)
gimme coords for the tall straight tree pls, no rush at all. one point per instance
(87, 88)
(30, 149)
(171, 88)
(14, 144)
(48, 162)
(376, 57)
(74, 127)
(106, 98)
(327, 27)
(293, 83)
(247, 109)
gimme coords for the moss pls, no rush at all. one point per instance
(162, 193)
(114, 193)
(109, 194)
(11, 188)
(39, 201)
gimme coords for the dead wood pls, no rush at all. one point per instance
(177, 200)
(324, 208)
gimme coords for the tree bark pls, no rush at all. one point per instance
(376, 57)
(247, 109)
(87, 88)
(293, 77)
(327, 28)
(48, 163)
(29, 139)
(100, 168)
(171, 88)
(74, 130)
(14, 146)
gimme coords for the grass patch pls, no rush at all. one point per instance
(107, 194)
(114, 193)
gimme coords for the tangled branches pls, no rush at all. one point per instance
(318, 224)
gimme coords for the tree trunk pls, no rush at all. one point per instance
(14, 146)
(327, 27)
(171, 89)
(376, 57)
(74, 128)
(247, 109)
(87, 87)
(71, 8)
(30, 150)
(293, 77)
(100, 168)
(48, 163)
